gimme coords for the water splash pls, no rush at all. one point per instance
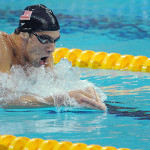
(44, 82)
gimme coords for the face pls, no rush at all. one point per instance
(40, 47)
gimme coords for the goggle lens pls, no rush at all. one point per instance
(45, 39)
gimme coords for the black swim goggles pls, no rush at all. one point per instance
(45, 39)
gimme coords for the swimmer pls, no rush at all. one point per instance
(32, 44)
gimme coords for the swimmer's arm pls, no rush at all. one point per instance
(85, 98)
(28, 101)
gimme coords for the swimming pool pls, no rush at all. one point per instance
(110, 26)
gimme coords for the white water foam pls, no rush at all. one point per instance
(44, 82)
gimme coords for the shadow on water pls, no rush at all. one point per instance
(112, 26)
(116, 110)
(128, 112)
(119, 27)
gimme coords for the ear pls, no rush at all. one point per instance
(24, 36)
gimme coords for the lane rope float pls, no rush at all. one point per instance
(10, 142)
(102, 60)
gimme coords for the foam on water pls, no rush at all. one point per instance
(43, 82)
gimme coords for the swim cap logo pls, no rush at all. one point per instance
(26, 15)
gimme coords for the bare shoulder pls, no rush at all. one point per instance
(4, 36)
(6, 52)
(4, 39)
(3, 33)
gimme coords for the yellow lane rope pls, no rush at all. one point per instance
(102, 60)
(10, 142)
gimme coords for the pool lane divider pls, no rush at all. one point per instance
(10, 142)
(102, 60)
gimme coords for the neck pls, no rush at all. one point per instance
(19, 48)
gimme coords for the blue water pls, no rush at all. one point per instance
(107, 25)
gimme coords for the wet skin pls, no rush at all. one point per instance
(26, 50)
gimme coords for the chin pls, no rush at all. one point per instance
(36, 64)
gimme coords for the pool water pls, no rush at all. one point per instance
(109, 26)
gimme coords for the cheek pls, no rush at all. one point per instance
(35, 49)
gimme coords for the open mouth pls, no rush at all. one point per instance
(43, 60)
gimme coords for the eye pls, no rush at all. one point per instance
(44, 39)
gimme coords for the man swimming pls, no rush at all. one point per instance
(32, 44)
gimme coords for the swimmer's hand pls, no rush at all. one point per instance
(88, 98)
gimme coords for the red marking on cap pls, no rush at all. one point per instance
(26, 15)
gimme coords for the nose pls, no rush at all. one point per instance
(50, 47)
